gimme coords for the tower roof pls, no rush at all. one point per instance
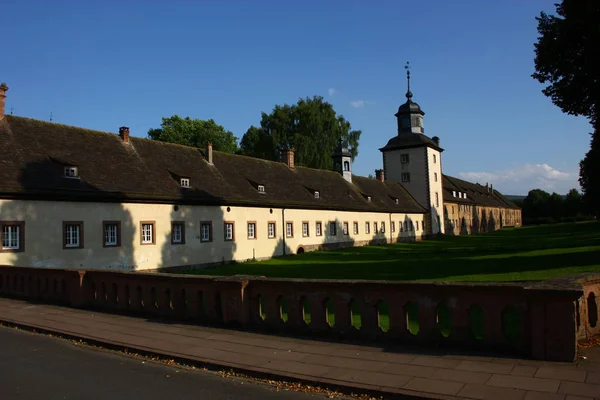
(341, 150)
(410, 107)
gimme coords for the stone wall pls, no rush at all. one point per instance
(542, 320)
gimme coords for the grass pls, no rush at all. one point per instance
(511, 254)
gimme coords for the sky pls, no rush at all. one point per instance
(106, 64)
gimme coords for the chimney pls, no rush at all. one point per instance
(287, 157)
(491, 188)
(3, 89)
(209, 156)
(124, 134)
(379, 175)
(436, 140)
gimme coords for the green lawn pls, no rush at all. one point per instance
(512, 254)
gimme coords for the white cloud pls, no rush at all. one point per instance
(521, 179)
(358, 103)
(331, 91)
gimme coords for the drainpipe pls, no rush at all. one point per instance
(390, 227)
(283, 228)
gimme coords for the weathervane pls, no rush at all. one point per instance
(407, 68)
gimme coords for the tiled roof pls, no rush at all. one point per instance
(476, 193)
(35, 152)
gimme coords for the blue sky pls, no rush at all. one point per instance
(105, 64)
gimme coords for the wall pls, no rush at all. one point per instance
(541, 320)
(465, 219)
(44, 236)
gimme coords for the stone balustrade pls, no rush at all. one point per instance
(543, 320)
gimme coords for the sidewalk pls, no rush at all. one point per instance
(350, 366)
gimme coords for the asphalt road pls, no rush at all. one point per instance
(34, 366)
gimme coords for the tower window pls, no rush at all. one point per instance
(404, 158)
(405, 177)
(434, 158)
(435, 176)
(185, 182)
(346, 166)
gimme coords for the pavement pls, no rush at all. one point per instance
(382, 370)
(36, 366)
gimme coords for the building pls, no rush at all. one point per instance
(76, 198)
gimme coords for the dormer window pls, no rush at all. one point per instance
(317, 194)
(185, 182)
(454, 193)
(397, 201)
(71, 172)
(369, 199)
(465, 195)
(261, 188)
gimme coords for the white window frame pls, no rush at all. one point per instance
(393, 227)
(375, 231)
(72, 235)
(289, 229)
(317, 194)
(367, 228)
(185, 182)
(251, 230)
(205, 231)
(305, 229)
(228, 231)
(332, 228)
(355, 228)
(345, 229)
(382, 230)
(147, 233)
(111, 234)
(11, 236)
(406, 177)
(261, 188)
(319, 229)
(271, 230)
(404, 158)
(175, 227)
(71, 172)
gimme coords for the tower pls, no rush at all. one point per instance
(414, 160)
(342, 161)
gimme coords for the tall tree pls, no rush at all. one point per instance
(311, 127)
(194, 132)
(567, 58)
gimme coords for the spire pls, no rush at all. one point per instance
(409, 94)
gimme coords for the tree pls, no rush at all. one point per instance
(567, 57)
(536, 205)
(194, 132)
(311, 127)
(573, 204)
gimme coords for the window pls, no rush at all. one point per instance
(305, 229)
(147, 230)
(369, 199)
(435, 176)
(177, 232)
(406, 177)
(206, 231)
(345, 228)
(397, 201)
(454, 193)
(13, 236)
(404, 158)
(317, 194)
(464, 195)
(318, 229)
(185, 182)
(393, 227)
(459, 195)
(434, 158)
(251, 230)
(375, 227)
(417, 227)
(228, 230)
(367, 227)
(412, 226)
(400, 224)
(332, 228)
(346, 166)
(382, 227)
(437, 199)
(71, 172)
(406, 225)
(73, 235)
(355, 228)
(111, 231)
(289, 229)
(271, 230)
(261, 188)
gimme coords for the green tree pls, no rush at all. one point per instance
(567, 58)
(573, 204)
(536, 205)
(194, 132)
(311, 127)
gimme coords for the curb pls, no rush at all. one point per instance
(257, 373)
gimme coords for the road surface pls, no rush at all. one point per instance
(34, 366)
